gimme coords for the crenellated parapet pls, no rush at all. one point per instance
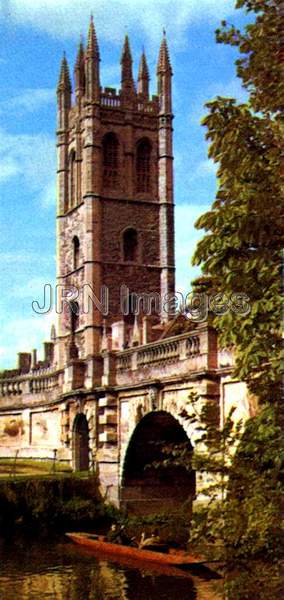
(87, 86)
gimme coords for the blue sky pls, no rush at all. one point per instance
(34, 34)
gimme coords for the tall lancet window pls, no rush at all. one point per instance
(74, 315)
(110, 161)
(72, 179)
(130, 245)
(143, 166)
(76, 252)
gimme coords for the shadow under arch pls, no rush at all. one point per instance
(146, 489)
(80, 443)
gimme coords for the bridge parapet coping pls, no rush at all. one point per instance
(195, 347)
(35, 382)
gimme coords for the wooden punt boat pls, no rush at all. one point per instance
(99, 545)
(147, 568)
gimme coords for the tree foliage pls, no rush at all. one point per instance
(239, 521)
(260, 63)
(241, 251)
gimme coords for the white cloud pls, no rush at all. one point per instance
(30, 100)
(31, 157)
(64, 18)
(8, 168)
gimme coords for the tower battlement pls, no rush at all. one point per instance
(87, 86)
(115, 219)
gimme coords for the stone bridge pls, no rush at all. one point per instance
(115, 413)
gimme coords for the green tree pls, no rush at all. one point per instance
(242, 249)
(242, 253)
(239, 520)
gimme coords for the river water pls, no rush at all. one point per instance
(59, 570)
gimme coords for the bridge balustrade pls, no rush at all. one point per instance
(38, 381)
(170, 350)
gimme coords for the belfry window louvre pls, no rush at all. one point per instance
(130, 245)
(143, 166)
(110, 161)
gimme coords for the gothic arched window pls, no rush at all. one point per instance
(130, 245)
(74, 315)
(72, 179)
(76, 252)
(110, 160)
(143, 166)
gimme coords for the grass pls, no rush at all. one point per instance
(29, 468)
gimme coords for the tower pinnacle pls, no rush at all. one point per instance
(164, 73)
(164, 65)
(92, 60)
(143, 77)
(92, 45)
(80, 53)
(64, 82)
(127, 83)
(79, 70)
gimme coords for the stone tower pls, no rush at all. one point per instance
(115, 223)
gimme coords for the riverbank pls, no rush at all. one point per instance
(62, 501)
(24, 467)
(54, 502)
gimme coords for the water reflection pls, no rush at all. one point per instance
(58, 571)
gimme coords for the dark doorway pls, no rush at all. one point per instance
(147, 489)
(81, 443)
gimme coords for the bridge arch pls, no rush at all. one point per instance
(80, 443)
(147, 489)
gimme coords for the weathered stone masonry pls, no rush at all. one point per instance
(110, 385)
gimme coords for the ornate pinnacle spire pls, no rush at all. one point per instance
(80, 53)
(92, 46)
(164, 65)
(143, 76)
(92, 62)
(127, 82)
(126, 52)
(53, 333)
(64, 83)
(143, 72)
(79, 66)
(164, 73)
